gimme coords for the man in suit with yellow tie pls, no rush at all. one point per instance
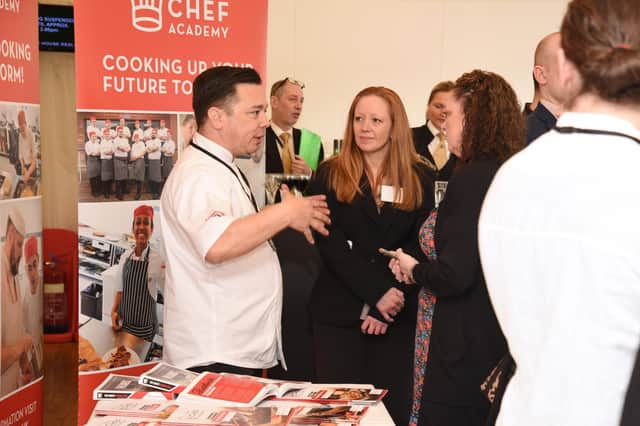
(429, 140)
(282, 139)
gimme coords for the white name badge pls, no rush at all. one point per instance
(388, 194)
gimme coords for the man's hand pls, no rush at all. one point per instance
(306, 213)
(372, 326)
(299, 166)
(390, 303)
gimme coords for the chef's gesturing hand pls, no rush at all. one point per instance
(307, 213)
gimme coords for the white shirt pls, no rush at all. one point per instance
(228, 312)
(106, 149)
(92, 147)
(27, 146)
(153, 148)
(169, 148)
(155, 272)
(126, 132)
(559, 239)
(163, 133)
(139, 132)
(436, 140)
(148, 133)
(278, 131)
(121, 145)
(138, 149)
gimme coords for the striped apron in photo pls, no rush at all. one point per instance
(137, 307)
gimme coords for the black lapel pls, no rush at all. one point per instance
(297, 134)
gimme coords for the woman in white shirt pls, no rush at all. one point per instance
(559, 233)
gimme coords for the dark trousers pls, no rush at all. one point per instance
(346, 355)
(226, 368)
(95, 186)
(106, 188)
(438, 414)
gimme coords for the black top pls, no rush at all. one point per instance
(631, 412)
(422, 137)
(353, 272)
(466, 339)
(274, 161)
(539, 122)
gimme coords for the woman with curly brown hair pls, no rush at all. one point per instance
(458, 339)
(560, 230)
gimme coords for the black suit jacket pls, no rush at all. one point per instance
(274, 162)
(466, 339)
(422, 137)
(539, 122)
(352, 276)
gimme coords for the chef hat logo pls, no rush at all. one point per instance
(146, 15)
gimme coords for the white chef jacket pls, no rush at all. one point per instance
(121, 143)
(106, 149)
(153, 144)
(27, 147)
(139, 132)
(138, 149)
(559, 239)
(228, 312)
(163, 133)
(169, 148)
(92, 148)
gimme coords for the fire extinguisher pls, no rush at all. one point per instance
(56, 319)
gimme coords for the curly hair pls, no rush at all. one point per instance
(493, 124)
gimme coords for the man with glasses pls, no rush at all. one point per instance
(283, 141)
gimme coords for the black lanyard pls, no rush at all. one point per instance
(567, 130)
(249, 194)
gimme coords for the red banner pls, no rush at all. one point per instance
(142, 55)
(19, 68)
(23, 407)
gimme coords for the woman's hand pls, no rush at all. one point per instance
(115, 321)
(402, 267)
(390, 304)
(370, 325)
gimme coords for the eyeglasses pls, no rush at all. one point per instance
(279, 84)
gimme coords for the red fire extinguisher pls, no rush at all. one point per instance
(56, 319)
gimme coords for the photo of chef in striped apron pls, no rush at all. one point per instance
(140, 276)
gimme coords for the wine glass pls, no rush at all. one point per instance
(271, 186)
(296, 183)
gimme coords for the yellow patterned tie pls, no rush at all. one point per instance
(440, 152)
(285, 153)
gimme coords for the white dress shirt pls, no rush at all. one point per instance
(228, 312)
(278, 131)
(436, 140)
(559, 239)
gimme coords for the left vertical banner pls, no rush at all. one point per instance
(20, 216)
